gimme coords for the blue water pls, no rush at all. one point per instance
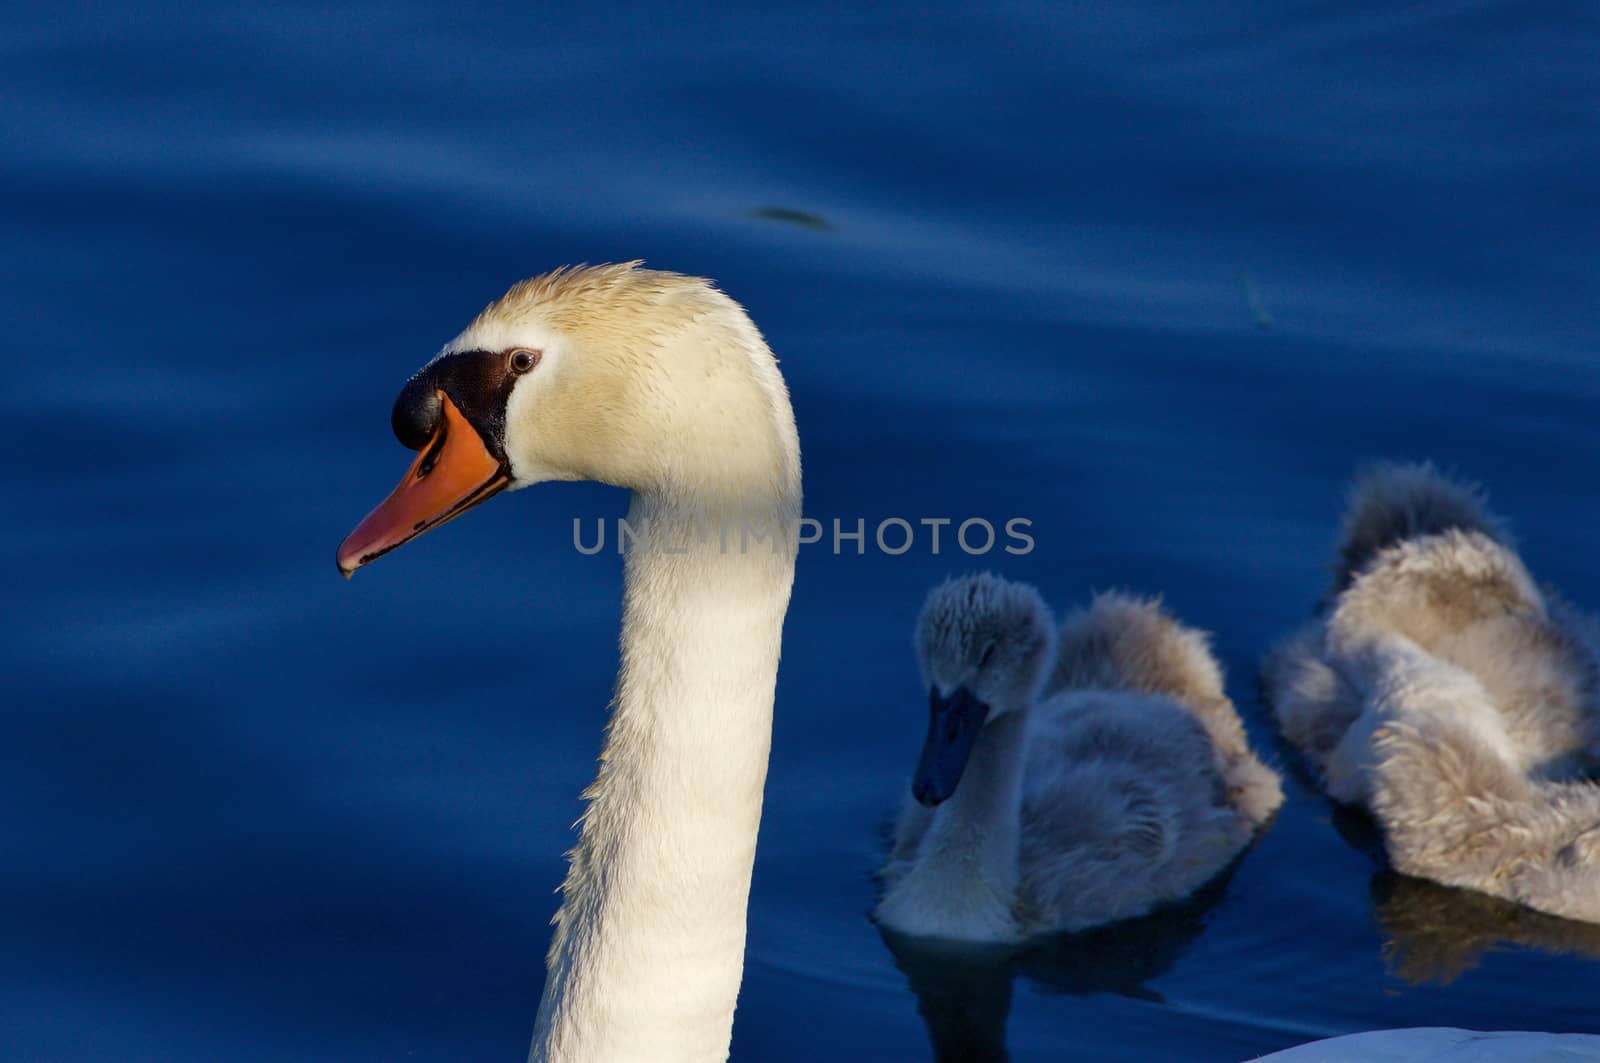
(1154, 276)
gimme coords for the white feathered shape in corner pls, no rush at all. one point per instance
(661, 384)
(1129, 786)
(1446, 693)
(1440, 1044)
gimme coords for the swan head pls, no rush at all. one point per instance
(983, 644)
(639, 378)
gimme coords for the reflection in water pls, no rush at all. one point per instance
(964, 992)
(1435, 933)
(1359, 830)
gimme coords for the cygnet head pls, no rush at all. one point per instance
(983, 644)
(634, 377)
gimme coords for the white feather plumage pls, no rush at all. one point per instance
(661, 384)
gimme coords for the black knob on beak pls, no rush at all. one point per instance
(417, 411)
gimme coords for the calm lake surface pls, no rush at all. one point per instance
(1153, 277)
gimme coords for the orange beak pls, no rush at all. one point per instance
(453, 473)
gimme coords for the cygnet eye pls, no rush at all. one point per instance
(523, 360)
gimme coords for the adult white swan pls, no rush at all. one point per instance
(661, 384)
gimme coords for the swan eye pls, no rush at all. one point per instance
(523, 360)
(988, 652)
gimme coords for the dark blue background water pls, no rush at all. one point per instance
(254, 813)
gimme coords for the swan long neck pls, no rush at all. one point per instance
(980, 825)
(648, 950)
